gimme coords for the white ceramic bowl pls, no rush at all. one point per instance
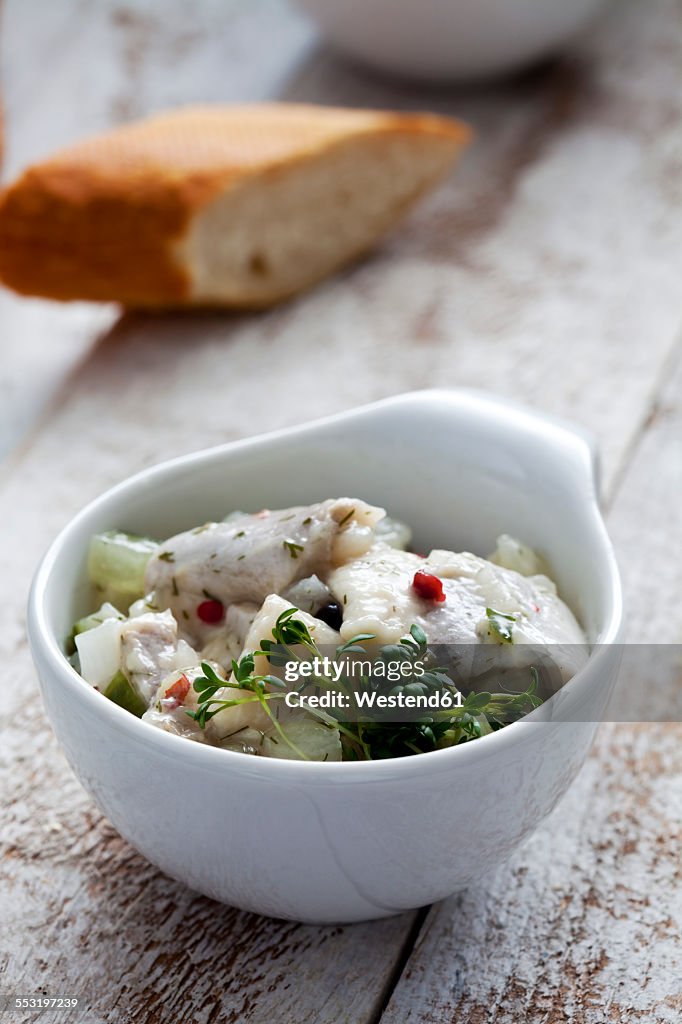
(449, 39)
(344, 842)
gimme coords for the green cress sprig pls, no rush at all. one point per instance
(478, 714)
(247, 682)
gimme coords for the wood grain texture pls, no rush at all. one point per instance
(109, 62)
(584, 924)
(101, 924)
(548, 269)
(531, 272)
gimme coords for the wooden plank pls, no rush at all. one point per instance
(532, 272)
(83, 912)
(41, 346)
(101, 924)
(507, 278)
(60, 861)
(584, 924)
(112, 61)
(148, 55)
(41, 342)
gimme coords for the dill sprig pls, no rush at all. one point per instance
(501, 625)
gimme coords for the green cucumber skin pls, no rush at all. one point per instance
(117, 562)
(122, 692)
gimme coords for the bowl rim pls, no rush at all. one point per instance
(49, 656)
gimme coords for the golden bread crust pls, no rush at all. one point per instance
(102, 219)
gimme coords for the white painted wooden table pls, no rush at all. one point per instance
(550, 269)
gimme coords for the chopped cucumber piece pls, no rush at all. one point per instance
(393, 532)
(107, 611)
(308, 737)
(117, 563)
(88, 622)
(122, 692)
(99, 652)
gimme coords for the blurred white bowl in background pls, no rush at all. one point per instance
(449, 39)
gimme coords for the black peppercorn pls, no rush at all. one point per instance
(332, 614)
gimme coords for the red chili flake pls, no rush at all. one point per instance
(211, 611)
(178, 690)
(429, 587)
(537, 608)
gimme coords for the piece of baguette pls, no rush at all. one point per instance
(217, 206)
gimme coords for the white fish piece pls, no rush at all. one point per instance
(315, 739)
(169, 715)
(378, 597)
(229, 722)
(225, 642)
(264, 624)
(252, 556)
(146, 647)
(240, 725)
(150, 650)
(165, 713)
